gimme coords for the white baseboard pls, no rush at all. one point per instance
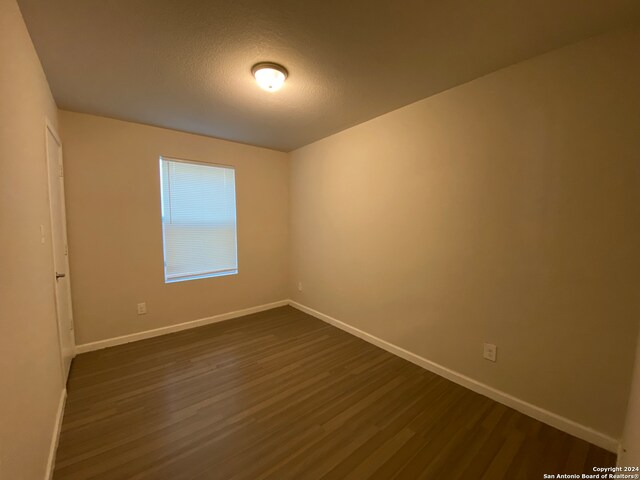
(620, 459)
(55, 437)
(110, 342)
(561, 423)
(581, 431)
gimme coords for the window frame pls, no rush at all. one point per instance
(194, 275)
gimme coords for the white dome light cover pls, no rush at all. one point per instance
(269, 76)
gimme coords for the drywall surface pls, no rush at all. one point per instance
(30, 369)
(506, 211)
(188, 64)
(115, 232)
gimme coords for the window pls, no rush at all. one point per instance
(198, 220)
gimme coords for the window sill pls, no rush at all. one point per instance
(201, 276)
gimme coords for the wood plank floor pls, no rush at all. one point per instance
(282, 395)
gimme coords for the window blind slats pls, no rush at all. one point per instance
(198, 220)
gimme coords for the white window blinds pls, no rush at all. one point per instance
(198, 220)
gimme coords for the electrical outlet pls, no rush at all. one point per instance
(490, 352)
(299, 286)
(142, 308)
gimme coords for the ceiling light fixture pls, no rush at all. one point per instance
(270, 76)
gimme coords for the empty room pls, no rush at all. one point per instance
(308, 240)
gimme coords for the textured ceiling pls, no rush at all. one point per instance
(185, 64)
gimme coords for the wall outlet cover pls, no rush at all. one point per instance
(490, 352)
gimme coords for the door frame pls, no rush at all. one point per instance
(49, 128)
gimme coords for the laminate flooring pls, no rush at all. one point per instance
(282, 395)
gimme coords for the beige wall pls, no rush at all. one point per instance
(506, 210)
(115, 235)
(30, 373)
(630, 452)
